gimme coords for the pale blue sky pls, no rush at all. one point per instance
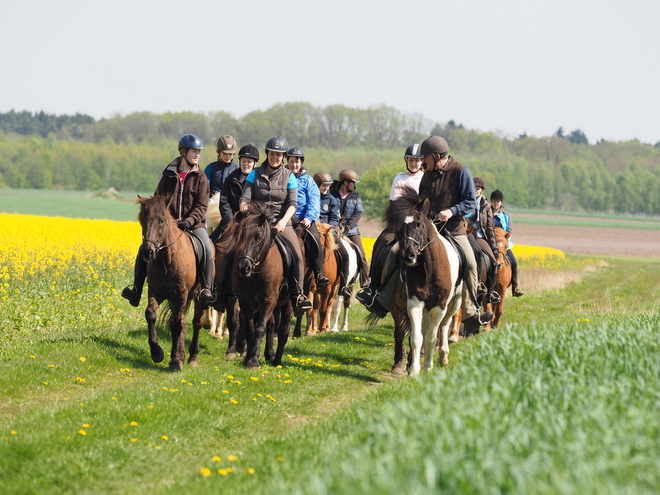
(508, 67)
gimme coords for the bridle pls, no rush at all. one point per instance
(254, 262)
(157, 244)
(420, 248)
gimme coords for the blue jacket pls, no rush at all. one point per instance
(309, 198)
(350, 209)
(217, 173)
(503, 219)
(329, 210)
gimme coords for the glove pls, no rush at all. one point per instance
(185, 224)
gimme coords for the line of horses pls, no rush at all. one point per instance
(426, 308)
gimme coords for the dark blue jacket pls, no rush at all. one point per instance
(350, 209)
(217, 173)
(329, 210)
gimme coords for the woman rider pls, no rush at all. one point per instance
(330, 215)
(502, 219)
(232, 188)
(483, 239)
(276, 187)
(308, 212)
(190, 189)
(350, 207)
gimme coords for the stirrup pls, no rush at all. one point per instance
(516, 292)
(346, 292)
(322, 279)
(366, 296)
(494, 297)
(481, 289)
(303, 304)
(207, 297)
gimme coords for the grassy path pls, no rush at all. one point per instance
(532, 407)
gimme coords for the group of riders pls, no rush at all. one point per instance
(297, 202)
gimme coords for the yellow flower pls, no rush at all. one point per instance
(83, 359)
(216, 458)
(14, 432)
(80, 380)
(205, 472)
(133, 440)
(82, 432)
(133, 423)
(85, 425)
(222, 472)
(232, 457)
(254, 378)
(234, 401)
(164, 437)
(250, 470)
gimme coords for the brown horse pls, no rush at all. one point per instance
(258, 276)
(172, 276)
(429, 282)
(235, 333)
(503, 281)
(323, 296)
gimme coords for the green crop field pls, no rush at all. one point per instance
(562, 398)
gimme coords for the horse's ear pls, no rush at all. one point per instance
(424, 207)
(507, 234)
(141, 200)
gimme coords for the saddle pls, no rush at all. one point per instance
(462, 264)
(288, 257)
(200, 252)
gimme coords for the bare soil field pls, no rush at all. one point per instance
(595, 241)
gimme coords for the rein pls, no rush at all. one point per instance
(159, 247)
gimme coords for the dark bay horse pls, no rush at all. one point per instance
(172, 276)
(258, 278)
(430, 283)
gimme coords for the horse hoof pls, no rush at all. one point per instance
(399, 369)
(444, 362)
(157, 355)
(252, 364)
(230, 356)
(215, 335)
(175, 366)
(193, 362)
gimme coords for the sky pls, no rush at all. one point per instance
(508, 67)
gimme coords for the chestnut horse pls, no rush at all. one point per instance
(430, 279)
(322, 297)
(503, 281)
(172, 276)
(258, 276)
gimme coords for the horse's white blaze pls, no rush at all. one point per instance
(409, 219)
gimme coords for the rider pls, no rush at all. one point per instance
(218, 171)
(232, 188)
(383, 245)
(502, 219)
(308, 212)
(276, 187)
(186, 182)
(350, 208)
(330, 215)
(483, 237)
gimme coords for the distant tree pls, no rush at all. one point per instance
(560, 133)
(578, 137)
(523, 135)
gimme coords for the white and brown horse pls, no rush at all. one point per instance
(430, 281)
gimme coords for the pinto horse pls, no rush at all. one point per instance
(172, 276)
(503, 281)
(430, 279)
(258, 278)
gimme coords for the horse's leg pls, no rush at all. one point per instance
(344, 325)
(233, 327)
(258, 331)
(178, 331)
(283, 332)
(416, 314)
(269, 353)
(297, 331)
(193, 350)
(399, 344)
(151, 315)
(430, 324)
(455, 334)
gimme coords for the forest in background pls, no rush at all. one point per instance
(563, 171)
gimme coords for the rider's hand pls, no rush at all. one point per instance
(279, 226)
(306, 222)
(444, 215)
(184, 224)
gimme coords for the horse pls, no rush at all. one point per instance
(258, 277)
(235, 332)
(430, 282)
(172, 276)
(354, 256)
(503, 281)
(322, 297)
(212, 320)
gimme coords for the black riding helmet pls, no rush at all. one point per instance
(434, 144)
(249, 151)
(277, 143)
(412, 151)
(296, 152)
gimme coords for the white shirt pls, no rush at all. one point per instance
(403, 180)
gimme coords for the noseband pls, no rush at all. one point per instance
(159, 247)
(420, 248)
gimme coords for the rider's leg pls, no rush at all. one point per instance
(300, 301)
(345, 272)
(492, 296)
(321, 277)
(206, 296)
(364, 266)
(380, 301)
(134, 293)
(470, 292)
(381, 248)
(478, 254)
(514, 274)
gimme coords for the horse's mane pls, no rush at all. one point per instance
(402, 207)
(157, 206)
(249, 220)
(325, 231)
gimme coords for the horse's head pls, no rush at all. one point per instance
(253, 237)
(502, 238)
(156, 222)
(408, 217)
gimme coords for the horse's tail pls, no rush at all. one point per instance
(166, 312)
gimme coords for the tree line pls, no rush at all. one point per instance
(563, 171)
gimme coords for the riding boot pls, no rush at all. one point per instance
(344, 289)
(321, 278)
(516, 292)
(134, 293)
(493, 297)
(298, 299)
(206, 296)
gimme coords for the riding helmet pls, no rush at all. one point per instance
(348, 174)
(322, 178)
(497, 195)
(277, 143)
(296, 152)
(226, 144)
(434, 144)
(190, 141)
(249, 151)
(413, 151)
(479, 182)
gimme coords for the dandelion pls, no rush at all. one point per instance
(222, 472)
(231, 377)
(225, 391)
(254, 378)
(83, 359)
(31, 357)
(133, 440)
(234, 401)
(216, 458)
(82, 432)
(205, 472)
(45, 383)
(280, 458)
(232, 457)
(85, 425)
(113, 398)
(80, 380)
(14, 432)
(250, 470)
(52, 366)
(165, 437)
(133, 423)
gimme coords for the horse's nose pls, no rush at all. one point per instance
(148, 252)
(244, 269)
